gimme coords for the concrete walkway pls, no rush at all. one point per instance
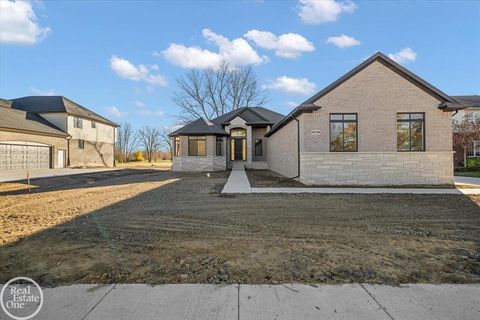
(238, 183)
(467, 180)
(259, 302)
(19, 175)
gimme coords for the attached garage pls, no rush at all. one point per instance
(26, 156)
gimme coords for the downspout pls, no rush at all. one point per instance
(114, 129)
(68, 141)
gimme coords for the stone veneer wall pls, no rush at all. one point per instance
(377, 168)
(206, 163)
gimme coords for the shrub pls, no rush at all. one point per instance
(473, 162)
(139, 156)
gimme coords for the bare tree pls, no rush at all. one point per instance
(211, 93)
(126, 142)
(166, 140)
(465, 132)
(150, 139)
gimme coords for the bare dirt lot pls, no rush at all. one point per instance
(157, 226)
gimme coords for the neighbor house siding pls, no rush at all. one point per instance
(282, 152)
(377, 94)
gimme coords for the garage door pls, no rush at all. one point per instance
(14, 157)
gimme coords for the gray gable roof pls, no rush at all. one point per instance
(52, 104)
(27, 121)
(251, 115)
(468, 101)
(200, 126)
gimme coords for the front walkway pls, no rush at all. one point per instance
(19, 175)
(259, 302)
(238, 183)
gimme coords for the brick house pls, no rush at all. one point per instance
(379, 124)
(471, 111)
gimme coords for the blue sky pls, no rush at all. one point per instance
(121, 59)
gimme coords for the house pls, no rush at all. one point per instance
(471, 112)
(379, 124)
(53, 132)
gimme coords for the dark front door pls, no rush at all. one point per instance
(238, 149)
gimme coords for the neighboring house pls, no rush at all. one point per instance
(379, 124)
(471, 112)
(53, 132)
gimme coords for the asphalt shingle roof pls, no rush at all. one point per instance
(50, 104)
(468, 101)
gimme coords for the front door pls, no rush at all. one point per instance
(60, 158)
(238, 149)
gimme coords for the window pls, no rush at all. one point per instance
(258, 148)
(176, 147)
(410, 131)
(94, 124)
(219, 146)
(474, 149)
(238, 133)
(81, 144)
(343, 132)
(196, 146)
(77, 122)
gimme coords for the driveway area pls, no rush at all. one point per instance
(259, 302)
(18, 175)
(158, 226)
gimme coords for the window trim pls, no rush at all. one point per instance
(343, 132)
(176, 147)
(410, 130)
(78, 122)
(81, 144)
(217, 140)
(197, 139)
(255, 148)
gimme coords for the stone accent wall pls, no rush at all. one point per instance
(257, 165)
(207, 163)
(377, 168)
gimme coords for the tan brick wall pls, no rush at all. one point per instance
(95, 154)
(55, 142)
(377, 168)
(282, 152)
(210, 162)
(258, 133)
(377, 93)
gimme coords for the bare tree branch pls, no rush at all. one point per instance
(126, 142)
(150, 140)
(465, 132)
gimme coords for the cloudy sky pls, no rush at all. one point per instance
(122, 59)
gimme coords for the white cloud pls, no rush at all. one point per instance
(291, 86)
(343, 41)
(292, 104)
(237, 52)
(316, 12)
(41, 92)
(140, 104)
(115, 112)
(127, 70)
(152, 113)
(288, 45)
(18, 23)
(403, 56)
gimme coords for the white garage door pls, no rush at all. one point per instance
(14, 157)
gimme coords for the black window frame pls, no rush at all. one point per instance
(410, 120)
(197, 138)
(176, 146)
(93, 124)
(78, 122)
(343, 121)
(219, 146)
(255, 148)
(81, 144)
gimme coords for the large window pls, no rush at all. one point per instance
(77, 122)
(176, 146)
(219, 146)
(258, 148)
(411, 132)
(474, 149)
(196, 146)
(343, 132)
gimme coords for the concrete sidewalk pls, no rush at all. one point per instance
(238, 183)
(259, 302)
(19, 175)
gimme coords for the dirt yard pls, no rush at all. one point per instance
(157, 226)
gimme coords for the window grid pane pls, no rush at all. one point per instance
(410, 132)
(343, 132)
